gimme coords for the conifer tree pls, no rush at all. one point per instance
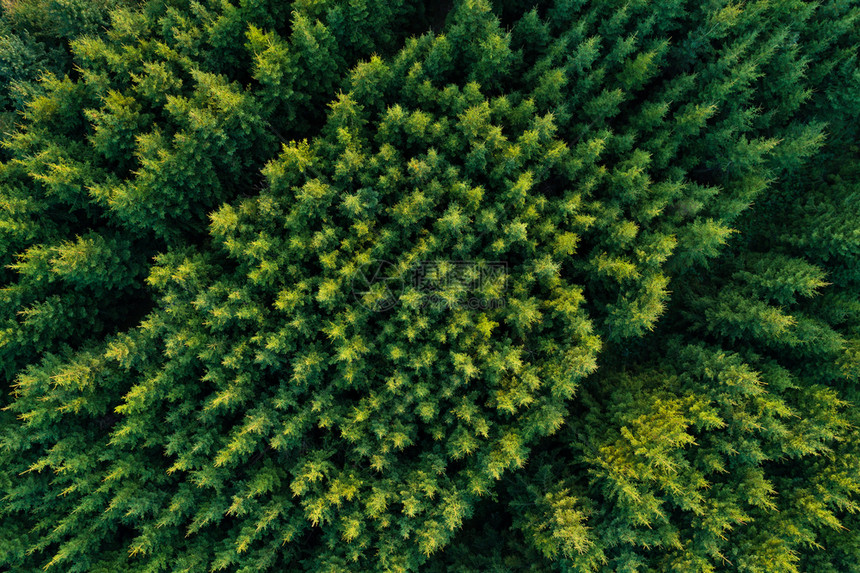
(388, 286)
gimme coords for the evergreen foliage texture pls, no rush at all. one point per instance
(215, 354)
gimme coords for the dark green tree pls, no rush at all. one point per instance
(336, 286)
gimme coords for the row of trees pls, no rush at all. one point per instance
(190, 190)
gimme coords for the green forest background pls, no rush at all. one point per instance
(192, 382)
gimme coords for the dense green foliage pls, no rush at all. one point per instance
(217, 357)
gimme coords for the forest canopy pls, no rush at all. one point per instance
(480, 286)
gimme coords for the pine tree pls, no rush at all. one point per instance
(569, 286)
